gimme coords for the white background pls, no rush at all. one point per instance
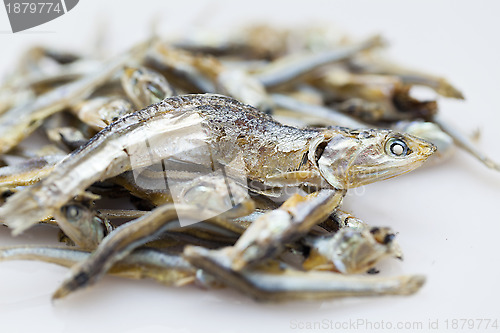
(447, 214)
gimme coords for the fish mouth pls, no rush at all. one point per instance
(421, 147)
(429, 149)
(363, 175)
(368, 175)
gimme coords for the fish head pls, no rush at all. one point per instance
(428, 131)
(352, 251)
(354, 158)
(145, 86)
(82, 224)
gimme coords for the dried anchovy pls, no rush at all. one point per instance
(148, 126)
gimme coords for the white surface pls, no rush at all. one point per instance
(447, 214)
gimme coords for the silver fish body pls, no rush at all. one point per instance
(199, 129)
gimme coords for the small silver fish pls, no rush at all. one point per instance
(206, 128)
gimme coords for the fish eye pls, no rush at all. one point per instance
(73, 212)
(388, 238)
(396, 147)
(157, 92)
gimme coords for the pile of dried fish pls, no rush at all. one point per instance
(216, 190)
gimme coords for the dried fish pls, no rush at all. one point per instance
(286, 69)
(266, 236)
(168, 269)
(375, 65)
(125, 239)
(239, 137)
(211, 76)
(254, 177)
(326, 116)
(82, 223)
(28, 172)
(19, 122)
(145, 86)
(201, 199)
(352, 251)
(288, 284)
